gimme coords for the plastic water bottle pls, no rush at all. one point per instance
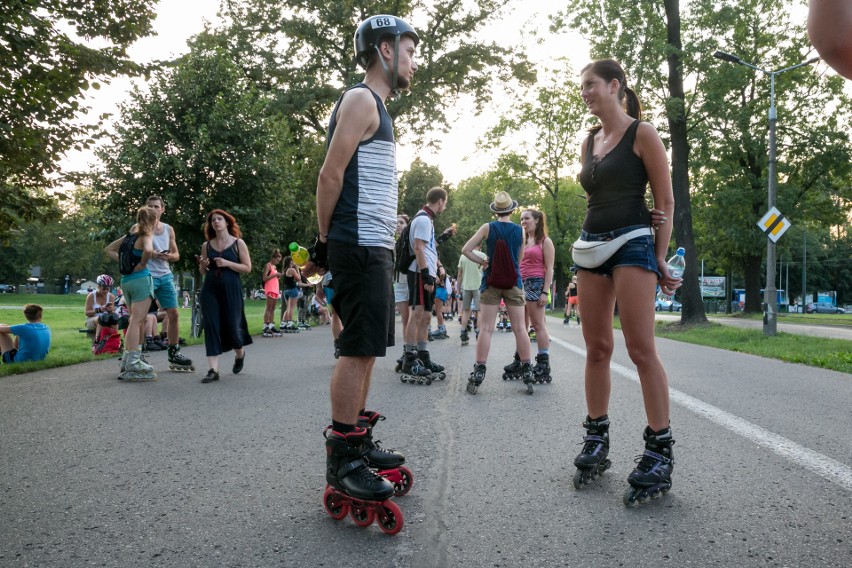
(677, 263)
(299, 254)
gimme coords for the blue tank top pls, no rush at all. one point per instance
(365, 213)
(514, 236)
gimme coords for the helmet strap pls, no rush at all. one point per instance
(392, 75)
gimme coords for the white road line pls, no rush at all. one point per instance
(824, 466)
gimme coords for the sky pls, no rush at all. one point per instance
(458, 158)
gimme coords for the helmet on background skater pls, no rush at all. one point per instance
(369, 36)
(105, 280)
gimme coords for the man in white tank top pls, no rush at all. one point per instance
(166, 252)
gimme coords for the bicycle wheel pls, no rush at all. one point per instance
(196, 323)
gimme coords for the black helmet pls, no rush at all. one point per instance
(371, 31)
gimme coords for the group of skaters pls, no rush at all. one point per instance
(358, 225)
(144, 256)
(291, 287)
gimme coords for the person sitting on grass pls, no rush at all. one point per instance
(25, 342)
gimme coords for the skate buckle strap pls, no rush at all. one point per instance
(655, 456)
(593, 438)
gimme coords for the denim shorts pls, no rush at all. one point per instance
(291, 293)
(533, 288)
(635, 252)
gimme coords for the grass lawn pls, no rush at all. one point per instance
(64, 315)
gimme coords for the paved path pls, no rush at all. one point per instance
(179, 474)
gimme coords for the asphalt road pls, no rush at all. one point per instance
(96, 472)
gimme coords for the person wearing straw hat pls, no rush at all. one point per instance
(491, 292)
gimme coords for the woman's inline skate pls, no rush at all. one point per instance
(652, 477)
(541, 371)
(592, 460)
(353, 488)
(134, 368)
(518, 370)
(388, 463)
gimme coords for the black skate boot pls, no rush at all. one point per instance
(436, 370)
(512, 370)
(528, 376)
(353, 488)
(653, 474)
(388, 462)
(592, 460)
(542, 368)
(413, 370)
(476, 378)
(346, 469)
(465, 337)
(178, 362)
(336, 349)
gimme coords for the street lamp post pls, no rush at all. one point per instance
(770, 296)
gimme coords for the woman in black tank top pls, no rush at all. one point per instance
(619, 159)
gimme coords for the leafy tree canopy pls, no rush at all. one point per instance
(48, 64)
(203, 138)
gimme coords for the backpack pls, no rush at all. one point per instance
(108, 341)
(127, 261)
(403, 252)
(502, 273)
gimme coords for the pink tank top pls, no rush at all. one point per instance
(271, 285)
(532, 265)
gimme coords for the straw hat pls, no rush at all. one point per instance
(503, 203)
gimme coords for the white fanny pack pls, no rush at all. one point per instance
(591, 254)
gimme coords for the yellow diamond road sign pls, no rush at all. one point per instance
(774, 224)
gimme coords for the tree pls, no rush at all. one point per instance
(45, 73)
(204, 138)
(814, 151)
(539, 143)
(302, 51)
(49, 246)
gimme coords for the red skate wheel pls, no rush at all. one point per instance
(336, 507)
(390, 518)
(362, 516)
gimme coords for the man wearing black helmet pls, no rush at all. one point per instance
(356, 213)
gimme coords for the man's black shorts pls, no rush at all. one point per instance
(363, 298)
(417, 294)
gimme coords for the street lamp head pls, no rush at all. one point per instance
(727, 57)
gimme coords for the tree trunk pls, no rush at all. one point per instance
(693, 306)
(753, 299)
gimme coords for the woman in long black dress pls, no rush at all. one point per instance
(223, 258)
